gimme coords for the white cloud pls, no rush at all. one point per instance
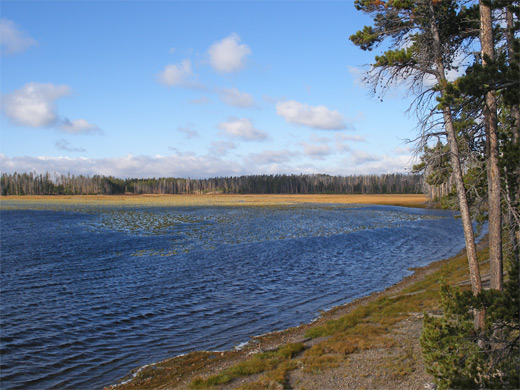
(176, 74)
(318, 117)
(12, 39)
(63, 144)
(235, 98)
(33, 104)
(78, 126)
(228, 55)
(242, 128)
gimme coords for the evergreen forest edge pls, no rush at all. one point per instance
(59, 184)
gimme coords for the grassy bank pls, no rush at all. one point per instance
(369, 343)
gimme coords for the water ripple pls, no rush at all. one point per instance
(90, 293)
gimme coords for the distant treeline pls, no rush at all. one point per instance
(57, 184)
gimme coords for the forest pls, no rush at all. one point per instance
(58, 184)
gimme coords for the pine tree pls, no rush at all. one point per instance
(425, 38)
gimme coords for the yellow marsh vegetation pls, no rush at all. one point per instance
(412, 200)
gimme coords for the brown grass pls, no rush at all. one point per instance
(413, 200)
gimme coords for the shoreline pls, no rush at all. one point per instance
(270, 339)
(187, 369)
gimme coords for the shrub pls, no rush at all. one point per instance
(461, 357)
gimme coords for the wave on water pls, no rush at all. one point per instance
(90, 294)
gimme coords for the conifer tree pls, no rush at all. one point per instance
(425, 36)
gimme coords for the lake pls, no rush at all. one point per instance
(90, 292)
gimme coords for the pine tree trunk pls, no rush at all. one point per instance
(515, 110)
(493, 170)
(513, 195)
(471, 248)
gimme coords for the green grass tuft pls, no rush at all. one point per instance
(262, 362)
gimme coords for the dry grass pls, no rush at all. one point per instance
(222, 199)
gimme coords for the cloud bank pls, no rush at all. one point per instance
(214, 164)
(178, 165)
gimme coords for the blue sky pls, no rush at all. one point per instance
(192, 89)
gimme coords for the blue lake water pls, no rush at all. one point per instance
(89, 293)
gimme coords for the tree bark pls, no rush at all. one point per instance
(471, 248)
(515, 109)
(514, 231)
(493, 170)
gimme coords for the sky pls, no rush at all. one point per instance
(193, 89)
